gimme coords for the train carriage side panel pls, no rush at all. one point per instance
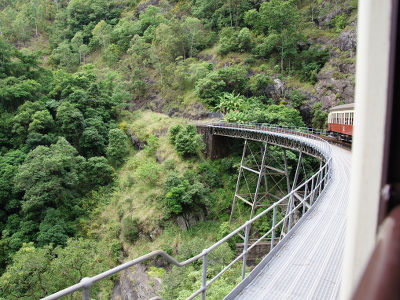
(341, 128)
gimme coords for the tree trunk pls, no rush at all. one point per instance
(191, 46)
(282, 54)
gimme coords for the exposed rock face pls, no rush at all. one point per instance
(331, 90)
(324, 19)
(135, 284)
(279, 88)
(276, 90)
(143, 6)
(136, 142)
(336, 81)
(189, 220)
(347, 41)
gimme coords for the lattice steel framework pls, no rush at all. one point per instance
(274, 136)
(264, 172)
(260, 177)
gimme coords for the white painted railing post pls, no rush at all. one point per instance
(273, 228)
(204, 275)
(87, 281)
(246, 244)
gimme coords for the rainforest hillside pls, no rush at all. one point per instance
(99, 159)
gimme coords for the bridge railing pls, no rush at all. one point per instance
(309, 133)
(307, 193)
(309, 130)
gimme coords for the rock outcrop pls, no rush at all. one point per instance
(336, 81)
(136, 284)
(347, 41)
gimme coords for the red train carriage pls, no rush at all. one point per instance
(340, 122)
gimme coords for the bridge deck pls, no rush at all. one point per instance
(309, 265)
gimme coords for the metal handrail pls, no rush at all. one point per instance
(313, 187)
(310, 133)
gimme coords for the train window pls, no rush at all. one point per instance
(346, 117)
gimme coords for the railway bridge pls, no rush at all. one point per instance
(307, 220)
(307, 263)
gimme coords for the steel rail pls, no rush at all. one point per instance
(314, 187)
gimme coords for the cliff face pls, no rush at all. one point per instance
(336, 81)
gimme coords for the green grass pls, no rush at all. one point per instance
(138, 195)
(295, 83)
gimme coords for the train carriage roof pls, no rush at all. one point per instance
(349, 106)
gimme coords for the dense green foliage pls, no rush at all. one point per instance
(70, 70)
(185, 196)
(54, 135)
(186, 140)
(36, 272)
(239, 109)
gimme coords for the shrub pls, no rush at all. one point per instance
(115, 248)
(185, 195)
(173, 132)
(339, 22)
(186, 140)
(297, 98)
(258, 84)
(230, 80)
(130, 230)
(117, 148)
(210, 87)
(320, 118)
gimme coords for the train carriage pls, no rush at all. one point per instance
(340, 122)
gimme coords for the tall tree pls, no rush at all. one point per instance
(170, 41)
(49, 177)
(282, 18)
(195, 32)
(102, 33)
(71, 122)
